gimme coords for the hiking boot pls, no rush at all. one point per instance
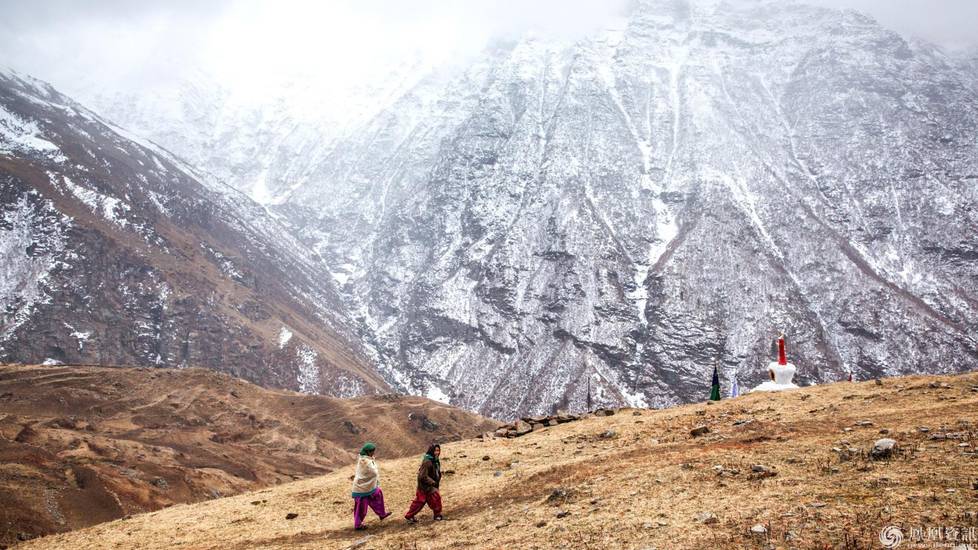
(361, 528)
(385, 516)
(439, 517)
(411, 520)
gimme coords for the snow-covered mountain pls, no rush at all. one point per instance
(263, 142)
(115, 252)
(635, 208)
(623, 212)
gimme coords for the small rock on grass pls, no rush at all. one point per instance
(758, 529)
(707, 518)
(883, 449)
(560, 494)
(699, 430)
(291, 515)
(562, 514)
(541, 523)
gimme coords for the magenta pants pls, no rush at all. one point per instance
(374, 501)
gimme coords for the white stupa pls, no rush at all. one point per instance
(781, 372)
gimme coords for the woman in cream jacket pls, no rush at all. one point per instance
(366, 488)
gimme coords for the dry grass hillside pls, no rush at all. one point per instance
(788, 470)
(82, 445)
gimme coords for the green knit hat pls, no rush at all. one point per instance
(367, 447)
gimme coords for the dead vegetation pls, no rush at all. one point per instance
(788, 470)
(83, 445)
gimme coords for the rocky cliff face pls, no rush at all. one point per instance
(627, 211)
(116, 253)
(621, 213)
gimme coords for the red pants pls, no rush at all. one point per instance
(433, 500)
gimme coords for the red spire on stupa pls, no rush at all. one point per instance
(782, 356)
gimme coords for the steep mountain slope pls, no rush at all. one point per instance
(116, 253)
(624, 212)
(81, 445)
(796, 464)
(619, 214)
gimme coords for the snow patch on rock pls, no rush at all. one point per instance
(284, 336)
(308, 379)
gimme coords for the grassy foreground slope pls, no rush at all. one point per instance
(794, 465)
(80, 445)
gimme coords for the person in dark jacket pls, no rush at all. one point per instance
(429, 478)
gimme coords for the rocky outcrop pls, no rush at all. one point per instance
(531, 424)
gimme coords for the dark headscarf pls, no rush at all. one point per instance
(367, 448)
(430, 455)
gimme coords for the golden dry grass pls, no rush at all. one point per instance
(641, 486)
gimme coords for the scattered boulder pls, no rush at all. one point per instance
(604, 412)
(883, 449)
(758, 529)
(291, 515)
(541, 523)
(529, 424)
(558, 495)
(161, 483)
(352, 428)
(486, 458)
(522, 428)
(760, 470)
(707, 518)
(428, 424)
(699, 430)
(562, 514)
(609, 434)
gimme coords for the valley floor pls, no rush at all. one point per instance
(789, 470)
